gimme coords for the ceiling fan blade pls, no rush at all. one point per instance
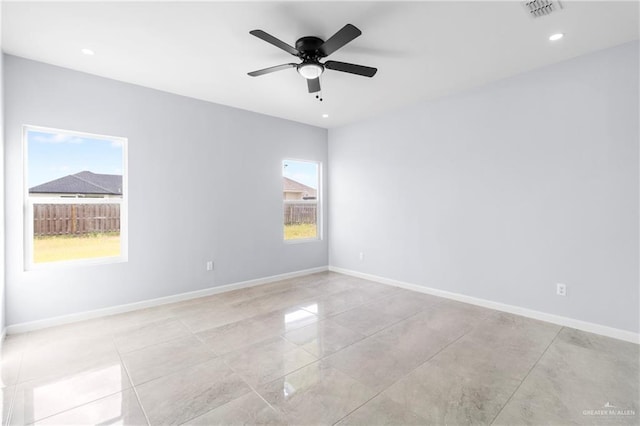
(276, 42)
(339, 39)
(313, 85)
(351, 68)
(271, 69)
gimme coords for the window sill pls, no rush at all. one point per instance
(303, 240)
(68, 264)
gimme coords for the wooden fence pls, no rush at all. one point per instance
(296, 213)
(75, 219)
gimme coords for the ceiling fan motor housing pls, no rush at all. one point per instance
(309, 47)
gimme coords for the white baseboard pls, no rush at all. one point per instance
(590, 327)
(81, 316)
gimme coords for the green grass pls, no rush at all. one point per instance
(300, 231)
(66, 247)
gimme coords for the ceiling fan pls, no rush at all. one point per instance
(311, 50)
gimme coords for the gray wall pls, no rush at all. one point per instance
(204, 183)
(2, 230)
(502, 192)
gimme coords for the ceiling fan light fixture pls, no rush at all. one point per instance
(310, 71)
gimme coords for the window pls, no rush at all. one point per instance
(75, 198)
(301, 195)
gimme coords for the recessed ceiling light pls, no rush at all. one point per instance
(88, 52)
(325, 115)
(556, 37)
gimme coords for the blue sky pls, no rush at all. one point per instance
(54, 155)
(305, 172)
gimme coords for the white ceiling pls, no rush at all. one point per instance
(204, 50)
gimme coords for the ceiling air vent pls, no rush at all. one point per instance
(538, 8)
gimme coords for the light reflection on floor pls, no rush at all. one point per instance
(46, 399)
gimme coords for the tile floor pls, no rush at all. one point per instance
(320, 349)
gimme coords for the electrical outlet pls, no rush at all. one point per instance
(361, 256)
(210, 265)
(561, 289)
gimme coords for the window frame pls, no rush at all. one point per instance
(317, 201)
(28, 203)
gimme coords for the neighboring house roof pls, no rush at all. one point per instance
(81, 183)
(291, 185)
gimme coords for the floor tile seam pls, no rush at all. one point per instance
(358, 407)
(373, 299)
(333, 323)
(533, 366)
(11, 403)
(363, 306)
(15, 390)
(346, 347)
(199, 339)
(22, 353)
(253, 389)
(384, 295)
(120, 352)
(178, 311)
(390, 293)
(135, 391)
(115, 333)
(111, 318)
(244, 318)
(368, 387)
(344, 311)
(376, 393)
(230, 369)
(426, 361)
(257, 342)
(293, 343)
(316, 359)
(320, 358)
(34, 345)
(233, 370)
(307, 310)
(187, 328)
(78, 406)
(221, 405)
(341, 371)
(435, 329)
(195, 333)
(113, 342)
(374, 397)
(246, 346)
(135, 385)
(123, 366)
(378, 331)
(270, 294)
(58, 376)
(304, 302)
(391, 325)
(321, 294)
(191, 330)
